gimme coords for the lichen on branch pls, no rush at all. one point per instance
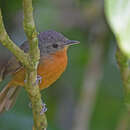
(30, 30)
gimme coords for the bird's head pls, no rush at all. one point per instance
(52, 41)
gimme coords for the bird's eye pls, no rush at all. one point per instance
(55, 45)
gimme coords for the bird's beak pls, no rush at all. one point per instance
(71, 42)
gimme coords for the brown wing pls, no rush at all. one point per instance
(13, 64)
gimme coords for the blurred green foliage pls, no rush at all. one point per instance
(118, 16)
(62, 97)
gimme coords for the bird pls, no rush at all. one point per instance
(53, 61)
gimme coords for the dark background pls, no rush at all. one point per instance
(92, 76)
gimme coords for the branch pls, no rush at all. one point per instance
(30, 30)
(31, 87)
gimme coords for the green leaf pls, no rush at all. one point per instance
(118, 16)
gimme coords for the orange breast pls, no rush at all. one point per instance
(50, 69)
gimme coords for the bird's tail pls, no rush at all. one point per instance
(8, 97)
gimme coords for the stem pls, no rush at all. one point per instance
(123, 63)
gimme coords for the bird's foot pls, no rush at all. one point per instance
(38, 80)
(44, 109)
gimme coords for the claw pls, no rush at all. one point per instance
(39, 79)
(44, 109)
